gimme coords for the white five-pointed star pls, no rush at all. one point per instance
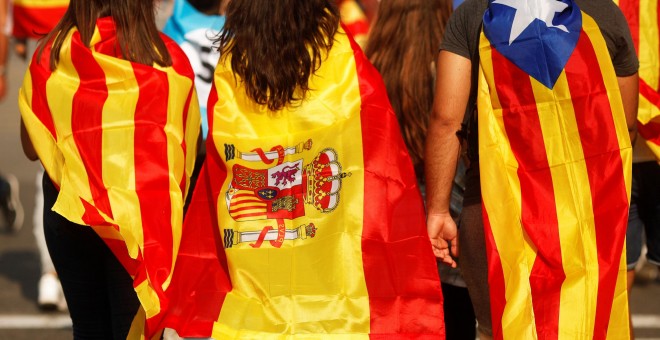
(528, 10)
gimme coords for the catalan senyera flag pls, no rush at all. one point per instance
(355, 20)
(643, 17)
(555, 160)
(119, 141)
(35, 18)
(322, 224)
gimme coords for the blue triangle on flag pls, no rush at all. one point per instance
(540, 51)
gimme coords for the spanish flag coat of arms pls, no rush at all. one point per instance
(320, 223)
(555, 160)
(119, 140)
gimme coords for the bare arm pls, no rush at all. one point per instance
(442, 150)
(629, 87)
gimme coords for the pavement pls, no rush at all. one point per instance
(21, 319)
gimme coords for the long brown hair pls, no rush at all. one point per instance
(403, 45)
(137, 34)
(275, 46)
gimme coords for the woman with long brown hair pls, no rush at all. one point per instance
(308, 183)
(403, 45)
(108, 107)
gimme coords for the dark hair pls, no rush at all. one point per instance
(275, 46)
(206, 6)
(403, 45)
(137, 35)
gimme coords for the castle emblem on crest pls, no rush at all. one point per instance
(281, 192)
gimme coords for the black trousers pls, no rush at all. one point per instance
(97, 288)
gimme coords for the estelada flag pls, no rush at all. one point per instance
(35, 18)
(355, 20)
(119, 141)
(642, 17)
(321, 222)
(555, 160)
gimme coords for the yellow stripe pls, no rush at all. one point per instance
(148, 298)
(619, 327)
(648, 42)
(41, 3)
(60, 90)
(118, 148)
(277, 292)
(618, 323)
(502, 200)
(574, 209)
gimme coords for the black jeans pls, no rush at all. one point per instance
(97, 288)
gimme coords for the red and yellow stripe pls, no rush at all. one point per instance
(35, 18)
(118, 139)
(355, 20)
(643, 18)
(555, 172)
(353, 279)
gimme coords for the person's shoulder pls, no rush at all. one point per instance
(602, 11)
(472, 8)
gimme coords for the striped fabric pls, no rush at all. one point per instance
(35, 18)
(643, 17)
(555, 171)
(348, 256)
(354, 19)
(118, 139)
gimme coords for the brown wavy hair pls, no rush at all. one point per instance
(403, 45)
(275, 46)
(137, 35)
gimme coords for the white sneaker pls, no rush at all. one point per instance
(51, 296)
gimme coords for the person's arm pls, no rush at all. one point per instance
(26, 143)
(442, 150)
(629, 87)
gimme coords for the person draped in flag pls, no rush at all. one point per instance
(644, 218)
(109, 108)
(309, 187)
(556, 83)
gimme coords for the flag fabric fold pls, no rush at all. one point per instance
(321, 224)
(643, 18)
(36, 18)
(119, 140)
(555, 162)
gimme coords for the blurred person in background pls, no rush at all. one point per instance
(193, 25)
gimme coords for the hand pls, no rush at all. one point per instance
(444, 237)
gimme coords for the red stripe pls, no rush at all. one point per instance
(152, 173)
(35, 22)
(496, 281)
(259, 214)
(399, 306)
(539, 212)
(650, 132)
(630, 9)
(86, 120)
(40, 73)
(605, 171)
(649, 93)
(246, 208)
(248, 201)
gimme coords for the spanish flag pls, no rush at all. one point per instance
(555, 160)
(36, 18)
(355, 20)
(643, 19)
(119, 141)
(321, 224)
